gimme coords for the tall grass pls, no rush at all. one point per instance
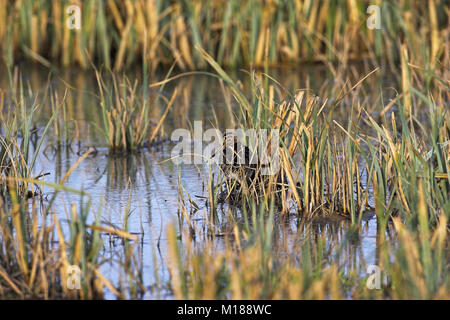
(258, 263)
(394, 166)
(118, 33)
(127, 122)
(38, 250)
(334, 157)
(319, 159)
(20, 143)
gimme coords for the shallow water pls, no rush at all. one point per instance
(145, 185)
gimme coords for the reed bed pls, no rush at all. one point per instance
(392, 165)
(19, 140)
(117, 34)
(42, 256)
(358, 165)
(329, 167)
(39, 250)
(259, 263)
(340, 154)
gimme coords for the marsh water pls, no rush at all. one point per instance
(143, 188)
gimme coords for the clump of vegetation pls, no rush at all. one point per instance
(393, 166)
(332, 158)
(38, 251)
(19, 140)
(127, 122)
